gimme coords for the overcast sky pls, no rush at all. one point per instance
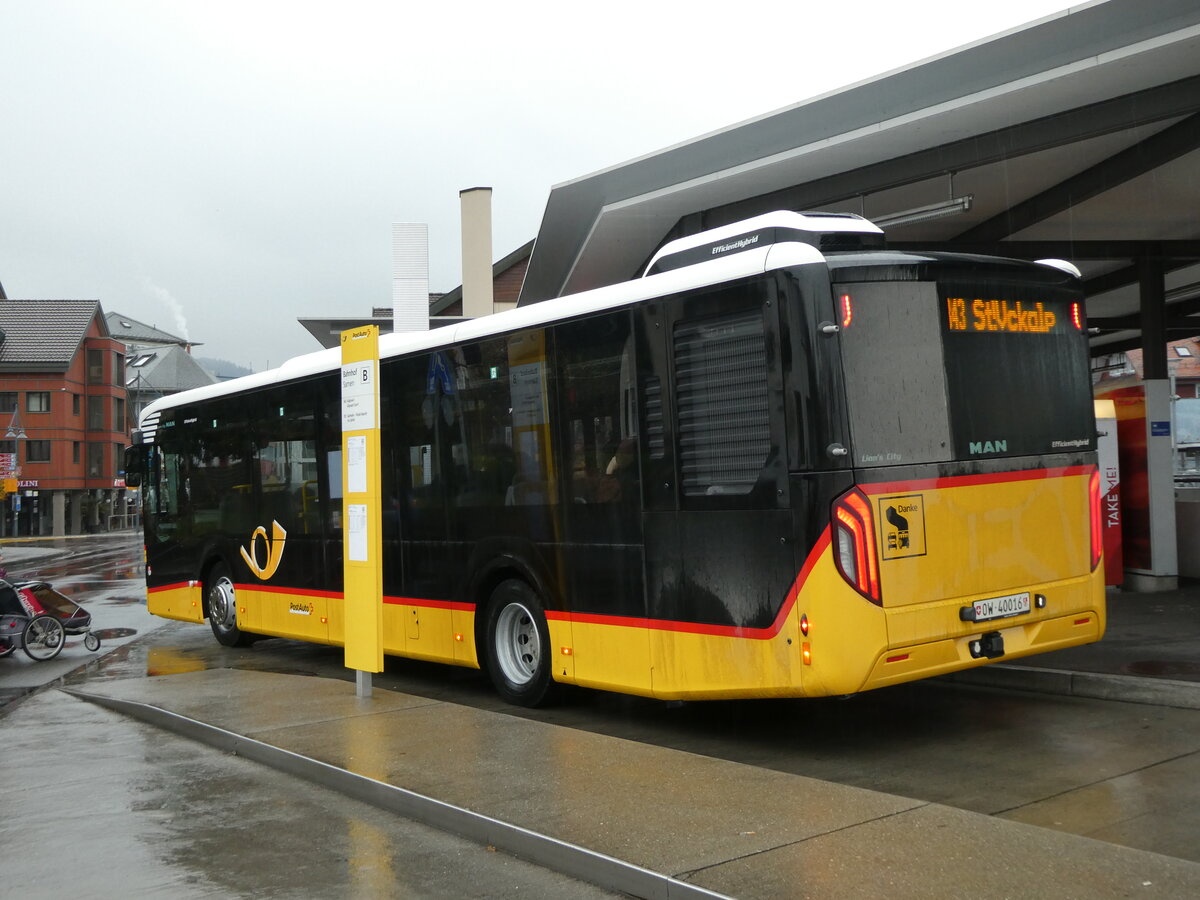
(219, 169)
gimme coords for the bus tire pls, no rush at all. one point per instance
(220, 600)
(518, 645)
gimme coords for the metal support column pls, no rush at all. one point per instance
(1163, 573)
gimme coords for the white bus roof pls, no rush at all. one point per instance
(716, 271)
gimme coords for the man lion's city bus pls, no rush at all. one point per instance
(785, 462)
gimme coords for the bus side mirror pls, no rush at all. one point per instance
(134, 465)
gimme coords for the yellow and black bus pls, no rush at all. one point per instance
(786, 461)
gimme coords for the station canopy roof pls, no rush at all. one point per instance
(1074, 137)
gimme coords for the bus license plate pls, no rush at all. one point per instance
(1001, 607)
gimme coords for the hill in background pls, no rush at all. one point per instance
(223, 369)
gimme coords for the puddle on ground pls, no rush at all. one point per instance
(123, 601)
(171, 661)
(111, 634)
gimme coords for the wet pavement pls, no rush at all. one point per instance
(1149, 636)
(1150, 653)
(677, 820)
(104, 574)
(663, 822)
(97, 805)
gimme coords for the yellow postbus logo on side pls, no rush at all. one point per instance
(274, 545)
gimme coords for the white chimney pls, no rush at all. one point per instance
(476, 204)
(410, 277)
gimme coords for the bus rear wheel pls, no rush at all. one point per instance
(518, 645)
(222, 608)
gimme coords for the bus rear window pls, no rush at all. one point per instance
(959, 370)
(1017, 373)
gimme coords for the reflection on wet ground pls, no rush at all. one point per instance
(997, 752)
(111, 634)
(1020, 750)
(124, 601)
(112, 563)
(133, 811)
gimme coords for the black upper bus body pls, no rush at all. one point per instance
(666, 461)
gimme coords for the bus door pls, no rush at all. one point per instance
(717, 522)
(285, 590)
(602, 540)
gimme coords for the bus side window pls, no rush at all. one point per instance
(484, 454)
(331, 451)
(286, 462)
(530, 383)
(219, 478)
(165, 487)
(598, 405)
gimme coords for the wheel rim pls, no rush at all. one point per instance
(43, 638)
(518, 644)
(222, 607)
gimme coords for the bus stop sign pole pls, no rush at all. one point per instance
(362, 545)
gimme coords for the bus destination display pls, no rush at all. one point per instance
(992, 316)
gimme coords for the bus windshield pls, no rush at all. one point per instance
(961, 370)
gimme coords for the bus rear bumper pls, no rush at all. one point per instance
(183, 601)
(898, 665)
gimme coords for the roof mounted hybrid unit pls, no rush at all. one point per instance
(827, 232)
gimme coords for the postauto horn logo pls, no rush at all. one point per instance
(274, 547)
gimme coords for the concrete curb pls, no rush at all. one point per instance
(550, 853)
(1093, 685)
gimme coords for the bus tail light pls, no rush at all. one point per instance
(854, 544)
(1097, 519)
(847, 310)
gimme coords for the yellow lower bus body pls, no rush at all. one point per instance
(977, 539)
(848, 647)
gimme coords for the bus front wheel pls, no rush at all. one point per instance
(518, 644)
(222, 608)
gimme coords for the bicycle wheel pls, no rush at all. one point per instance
(44, 638)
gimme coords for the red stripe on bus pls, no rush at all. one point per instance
(295, 592)
(430, 604)
(600, 619)
(177, 586)
(952, 481)
(759, 634)
(339, 595)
